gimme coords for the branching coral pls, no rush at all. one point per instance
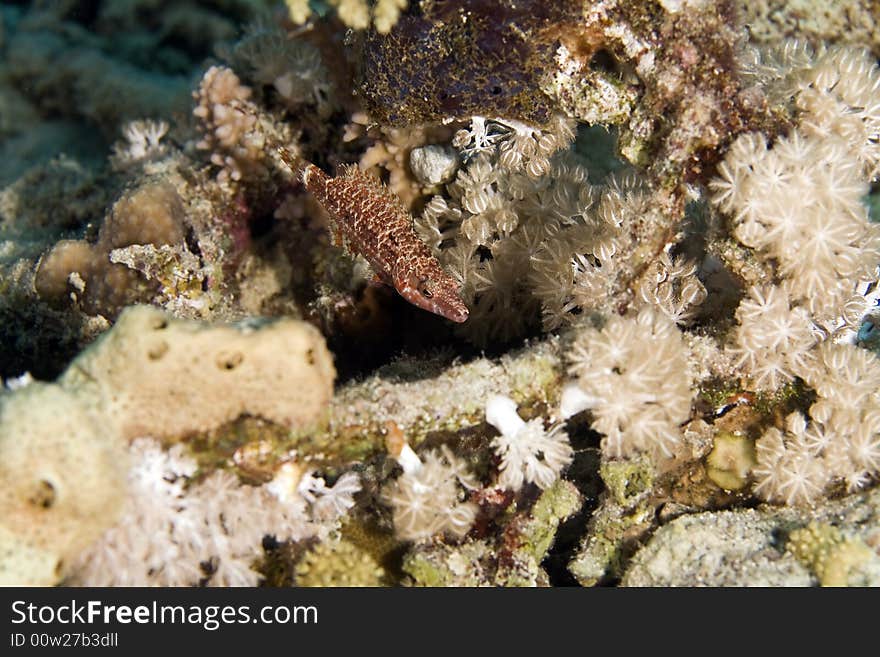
(236, 133)
(72, 73)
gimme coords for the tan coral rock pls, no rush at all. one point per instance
(149, 214)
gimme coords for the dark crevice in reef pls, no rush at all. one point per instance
(408, 332)
(584, 473)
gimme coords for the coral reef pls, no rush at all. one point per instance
(646, 233)
(765, 547)
(513, 561)
(824, 21)
(85, 274)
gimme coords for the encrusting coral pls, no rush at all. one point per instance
(836, 559)
(237, 144)
(851, 22)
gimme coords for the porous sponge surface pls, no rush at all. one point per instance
(161, 377)
(63, 445)
(61, 473)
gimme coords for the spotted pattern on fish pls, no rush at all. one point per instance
(374, 224)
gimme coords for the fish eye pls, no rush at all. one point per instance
(423, 288)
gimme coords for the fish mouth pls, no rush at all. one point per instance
(453, 312)
(452, 309)
(458, 315)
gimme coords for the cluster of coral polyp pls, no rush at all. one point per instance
(659, 225)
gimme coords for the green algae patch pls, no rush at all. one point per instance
(628, 480)
(514, 559)
(555, 505)
(625, 514)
